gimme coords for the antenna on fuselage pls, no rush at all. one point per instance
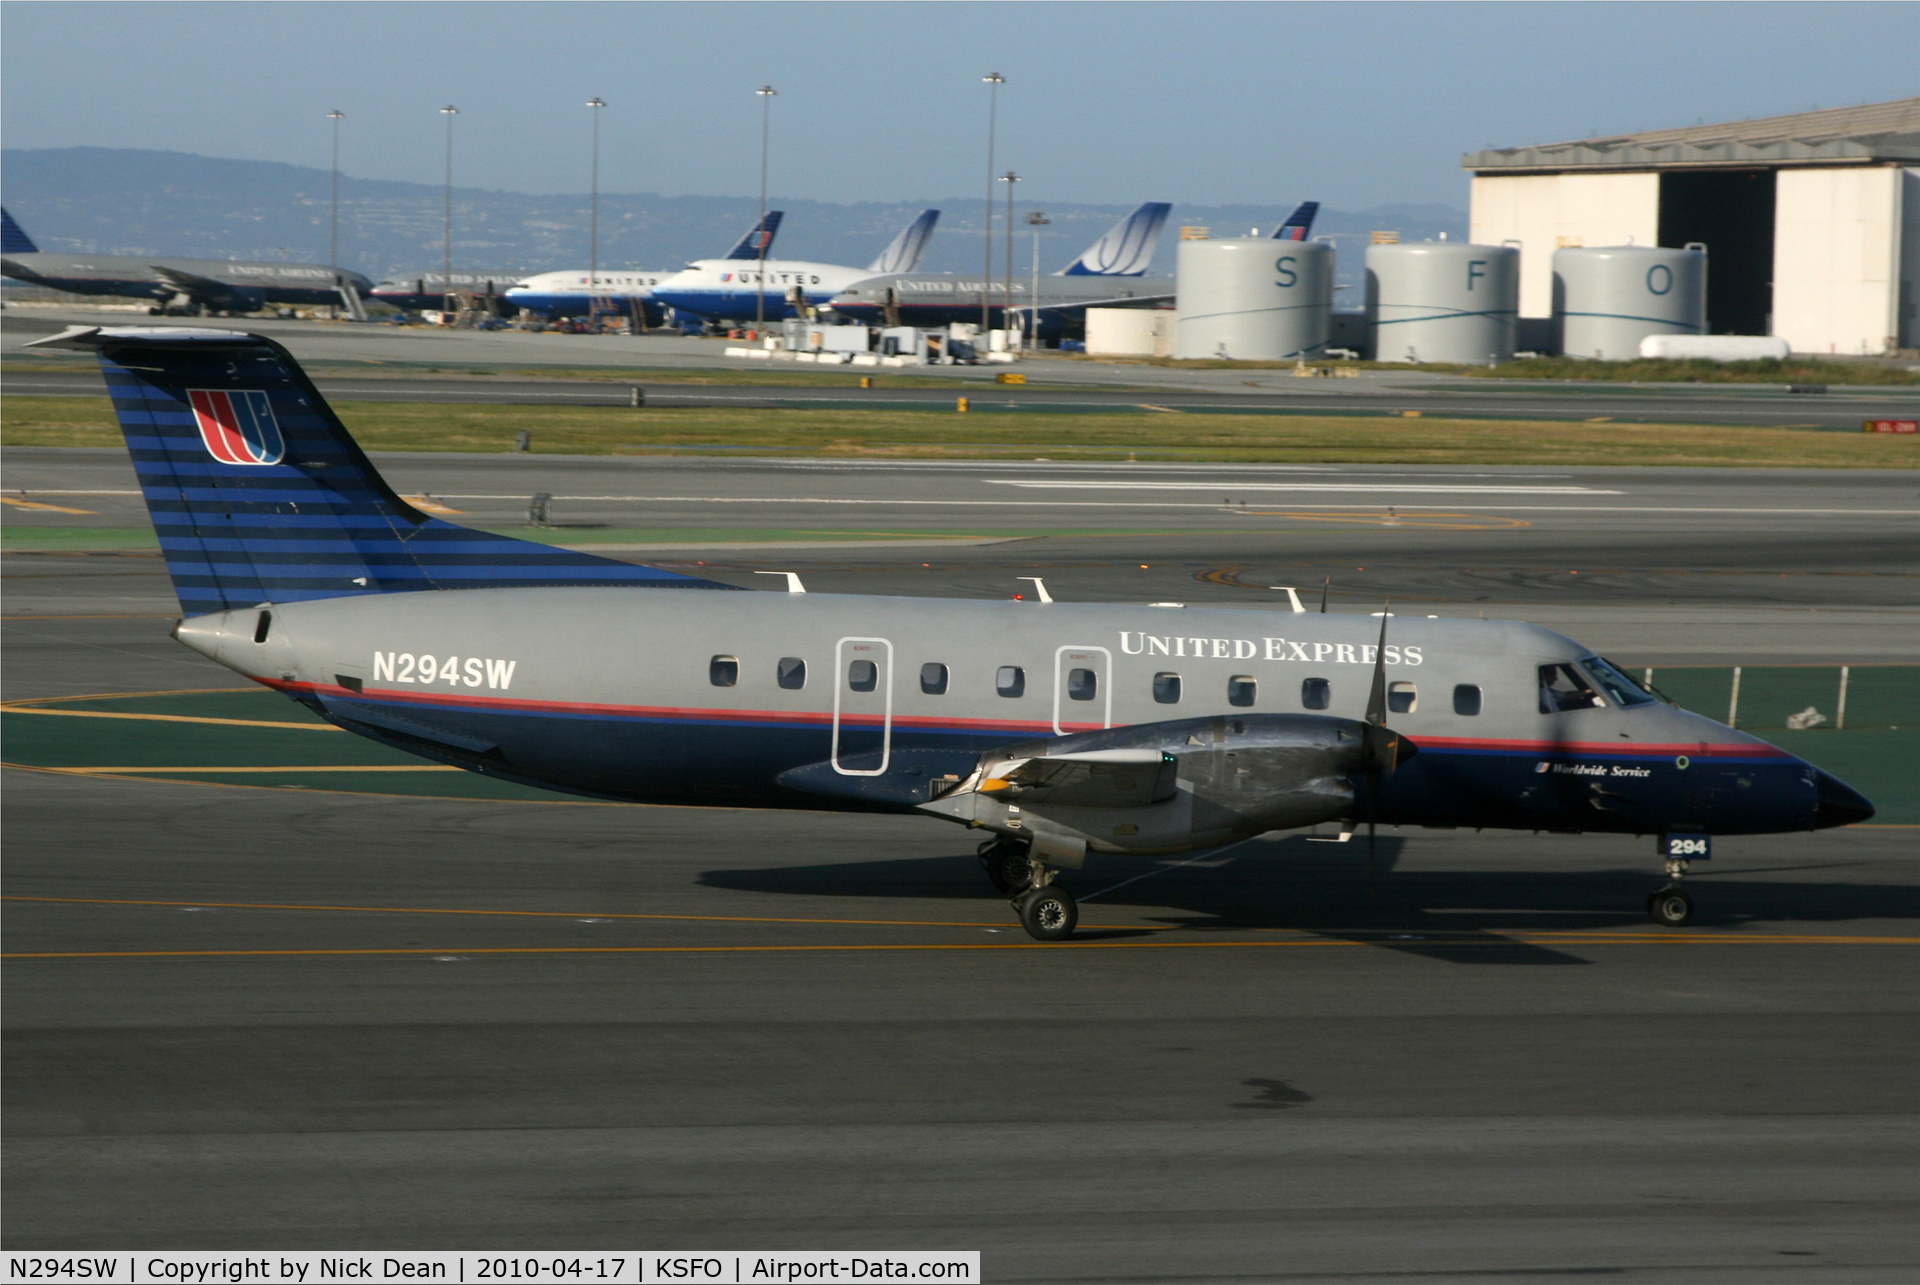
(1323, 594)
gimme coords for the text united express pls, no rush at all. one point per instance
(1316, 653)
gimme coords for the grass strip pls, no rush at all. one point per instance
(925, 434)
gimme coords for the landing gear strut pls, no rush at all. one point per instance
(1670, 907)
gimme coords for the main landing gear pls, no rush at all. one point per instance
(1046, 911)
(1670, 907)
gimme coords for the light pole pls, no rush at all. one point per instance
(1035, 220)
(333, 229)
(766, 93)
(993, 80)
(593, 216)
(1006, 313)
(446, 265)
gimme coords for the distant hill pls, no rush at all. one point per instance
(124, 201)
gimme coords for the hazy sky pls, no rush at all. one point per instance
(1357, 104)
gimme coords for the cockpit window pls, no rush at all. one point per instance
(1563, 688)
(1614, 683)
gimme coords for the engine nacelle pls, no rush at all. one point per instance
(1172, 786)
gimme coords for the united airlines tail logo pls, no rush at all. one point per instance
(237, 425)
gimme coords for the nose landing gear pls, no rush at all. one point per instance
(1670, 907)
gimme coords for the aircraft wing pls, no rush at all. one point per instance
(1118, 301)
(191, 284)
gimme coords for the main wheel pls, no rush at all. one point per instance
(1049, 914)
(1670, 908)
(1007, 865)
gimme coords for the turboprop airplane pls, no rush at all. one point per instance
(723, 290)
(571, 294)
(1065, 732)
(203, 286)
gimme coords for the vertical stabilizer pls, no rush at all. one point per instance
(909, 247)
(12, 239)
(1127, 248)
(1299, 224)
(758, 242)
(259, 494)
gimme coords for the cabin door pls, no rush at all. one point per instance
(1082, 689)
(862, 706)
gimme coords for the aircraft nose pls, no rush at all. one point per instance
(1837, 803)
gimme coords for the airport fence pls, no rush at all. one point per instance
(1759, 697)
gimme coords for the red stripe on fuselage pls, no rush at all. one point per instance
(642, 713)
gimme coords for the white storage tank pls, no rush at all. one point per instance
(1443, 301)
(1607, 299)
(1253, 299)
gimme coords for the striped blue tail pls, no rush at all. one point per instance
(258, 493)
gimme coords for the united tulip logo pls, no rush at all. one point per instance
(237, 425)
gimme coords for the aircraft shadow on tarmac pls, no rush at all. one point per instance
(1466, 916)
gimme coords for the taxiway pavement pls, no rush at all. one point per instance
(299, 1018)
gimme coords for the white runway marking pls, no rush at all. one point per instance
(1063, 484)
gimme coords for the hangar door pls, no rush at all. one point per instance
(1731, 213)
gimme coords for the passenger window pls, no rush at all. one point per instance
(1466, 699)
(1166, 688)
(1082, 685)
(1010, 680)
(863, 676)
(1401, 698)
(793, 673)
(1241, 690)
(723, 671)
(1563, 688)
(1316, 693)
(933, 679)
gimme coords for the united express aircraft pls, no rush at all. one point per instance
(1064, 732)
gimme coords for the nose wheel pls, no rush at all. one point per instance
(1670, 907)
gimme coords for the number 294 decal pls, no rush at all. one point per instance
(1689, 847)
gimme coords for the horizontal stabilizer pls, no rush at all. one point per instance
(259, 494)
(909, 247)
(758, 242)
(1127, 248)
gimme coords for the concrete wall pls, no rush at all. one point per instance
(1130, 332)
(1836, 259)
(1907, 296)
(1545, 212)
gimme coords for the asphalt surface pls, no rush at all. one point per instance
(1813, 565)
(1757, 406)
(354, 1019)
(1059, 386)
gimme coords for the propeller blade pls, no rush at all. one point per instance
(1377, 696)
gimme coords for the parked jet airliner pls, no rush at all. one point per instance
(1109, 273)
(570, 294)
(1063, 731)
(724, 290)
(204, 286)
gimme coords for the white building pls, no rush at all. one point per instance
(1811, 221)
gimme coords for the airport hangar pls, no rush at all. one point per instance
(1811, 221)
